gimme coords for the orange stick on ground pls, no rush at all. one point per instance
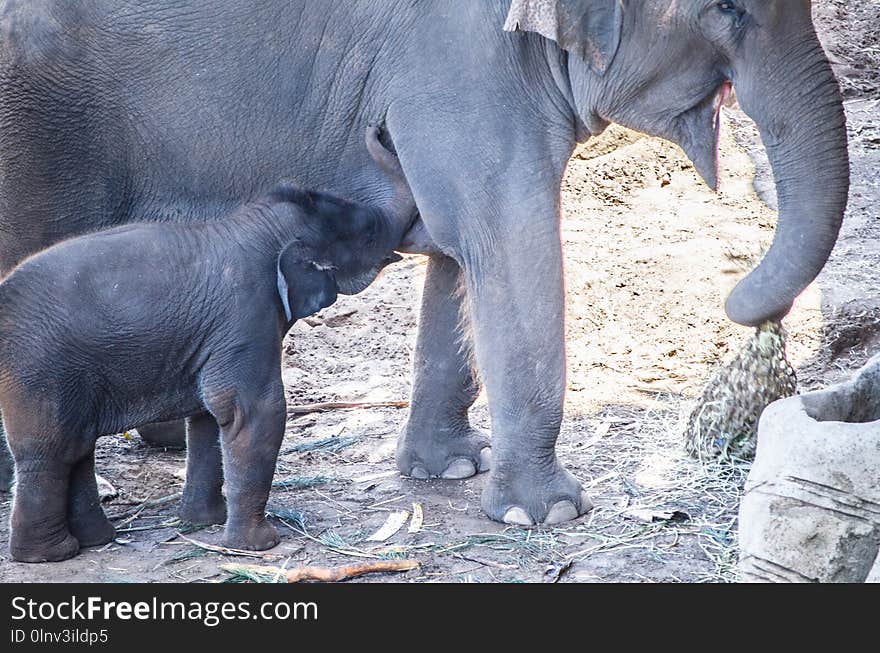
(327, 574)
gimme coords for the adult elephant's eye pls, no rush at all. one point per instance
(732, 10)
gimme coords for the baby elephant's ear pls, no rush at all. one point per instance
(304, 286)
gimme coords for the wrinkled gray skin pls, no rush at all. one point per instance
(96, 338)
(150, 109)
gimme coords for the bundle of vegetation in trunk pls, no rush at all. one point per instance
(724, 422)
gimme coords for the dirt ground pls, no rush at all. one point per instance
(650, 255)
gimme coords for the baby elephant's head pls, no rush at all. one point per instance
(340, 246)
(337, 247)
(304, 284)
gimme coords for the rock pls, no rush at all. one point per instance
(811, 510)
(106, 490)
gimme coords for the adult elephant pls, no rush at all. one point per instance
(119, 110)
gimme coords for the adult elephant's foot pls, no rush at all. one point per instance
(251, 536)
(531, 496)
(171, 435)
(455, 454)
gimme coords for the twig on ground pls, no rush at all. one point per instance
(149, 503)
(155, 527)
(229, 552)
(485, 563)
(386, 502)
(327, 444)
(306, 409)
(301, 482)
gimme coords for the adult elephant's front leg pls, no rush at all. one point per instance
(489, 198)
(515, 287)
(7, 466)
(438, 440)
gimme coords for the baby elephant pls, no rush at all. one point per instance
(151, 322)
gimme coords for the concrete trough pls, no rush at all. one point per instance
(811, 510)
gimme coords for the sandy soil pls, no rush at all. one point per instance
(650, 255)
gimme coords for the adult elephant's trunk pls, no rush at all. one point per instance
(791, 93)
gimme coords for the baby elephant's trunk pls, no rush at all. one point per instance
(402, 208)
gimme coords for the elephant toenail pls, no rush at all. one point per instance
(419, 473)
(561, 511)
(459, 469)
(518, 517)
(485, 459)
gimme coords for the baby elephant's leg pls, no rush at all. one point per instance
(85, 516)
(252, 427)
(39, 510)
(203, 501)
(53, 454)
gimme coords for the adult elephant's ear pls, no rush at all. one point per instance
(305, 286)
(588, 28)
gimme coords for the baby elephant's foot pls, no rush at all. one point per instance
(93, 530)
(201, 511)
(455, 455)
(530, 497)
(86, 518)
(257, 536)
(25, 549)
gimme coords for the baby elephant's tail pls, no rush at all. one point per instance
(403, 206)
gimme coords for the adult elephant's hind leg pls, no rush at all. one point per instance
(438, 439)
(517, 307)
(171, 435)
